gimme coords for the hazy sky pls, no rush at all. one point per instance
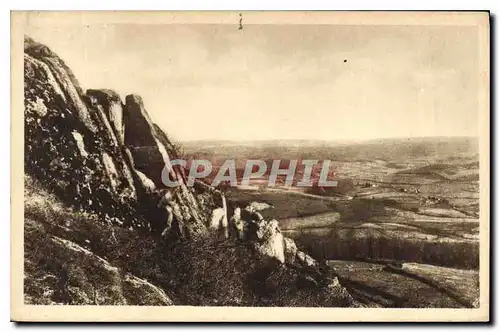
(211, 81)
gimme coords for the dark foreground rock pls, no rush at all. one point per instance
(98, 153)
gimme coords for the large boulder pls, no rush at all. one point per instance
(271, 243)
(265, 236)
(149, 147)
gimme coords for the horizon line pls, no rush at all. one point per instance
(327, 140)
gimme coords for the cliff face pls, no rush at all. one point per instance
(101, 161)
(98, 153)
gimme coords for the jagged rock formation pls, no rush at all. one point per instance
(99, 153)
(104, 156)
(266, 237)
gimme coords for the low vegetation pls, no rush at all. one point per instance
(73, 257)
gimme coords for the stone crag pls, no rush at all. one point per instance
(97, 152)
(104, 156)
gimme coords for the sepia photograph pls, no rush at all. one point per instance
(250, 166)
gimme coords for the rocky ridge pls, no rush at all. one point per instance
(101, 155)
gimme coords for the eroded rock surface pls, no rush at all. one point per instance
(265, 235)
(99, 153)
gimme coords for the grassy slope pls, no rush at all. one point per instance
(70, 257)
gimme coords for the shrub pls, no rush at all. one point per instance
(207, 272)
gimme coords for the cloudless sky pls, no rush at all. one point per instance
(214, 81)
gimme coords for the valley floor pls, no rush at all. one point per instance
(420, 213)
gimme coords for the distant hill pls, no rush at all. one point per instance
(381, 149)
(468, 171)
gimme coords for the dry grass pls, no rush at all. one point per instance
(73, 257)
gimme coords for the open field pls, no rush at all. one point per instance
(284, 204)
(415, 202)
(415, 285)
(421, 207)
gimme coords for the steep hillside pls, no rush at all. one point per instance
(97, 152)
(102, 228)
(464, 172)
(72, 258)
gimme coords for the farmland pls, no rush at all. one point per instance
(416, 202)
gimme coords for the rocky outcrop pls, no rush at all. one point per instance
(105, 156)
(97, 153)
(111, 105)
(266, 237)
